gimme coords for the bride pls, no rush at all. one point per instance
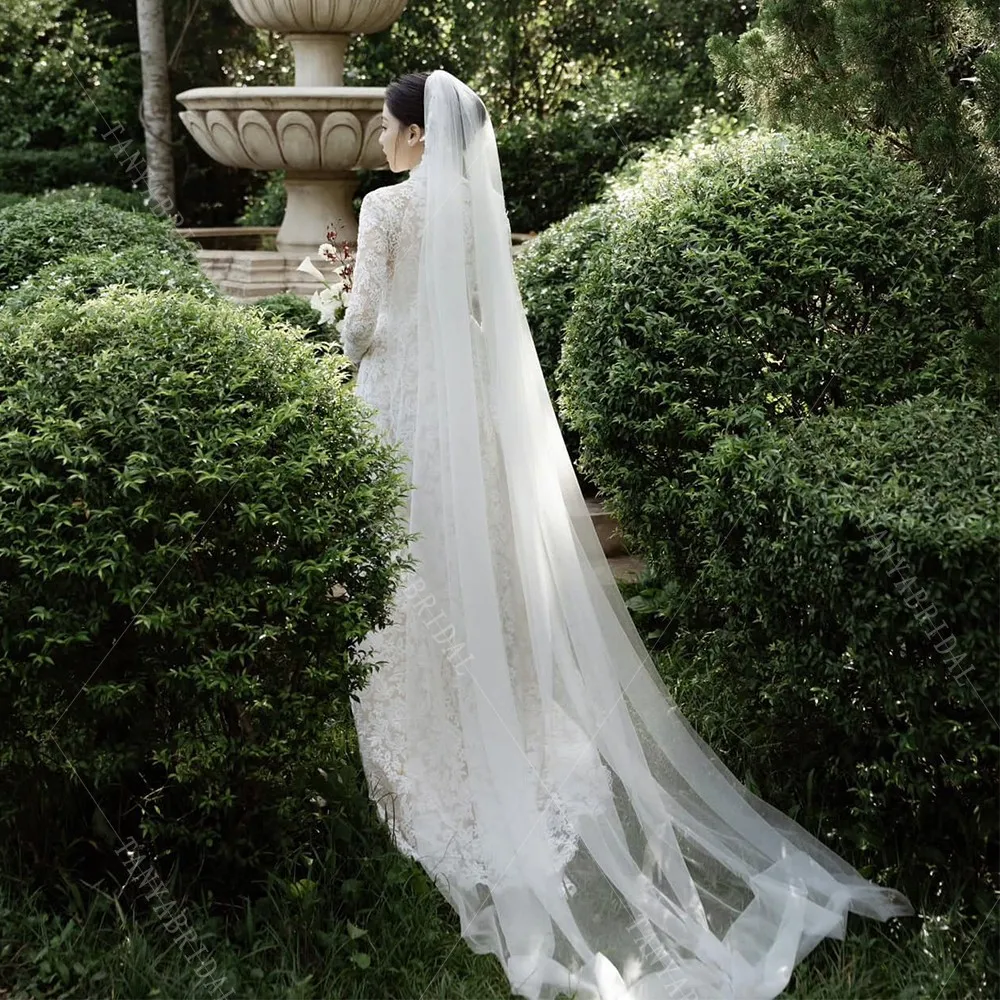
(517, 735)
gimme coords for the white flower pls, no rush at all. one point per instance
(308, 267)
(327, 250)
(326, 303)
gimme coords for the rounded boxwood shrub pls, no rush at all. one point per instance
(198, 525)
(761, 281)
(550, 266)
(841, 649)
(41, 231)
(81, 276)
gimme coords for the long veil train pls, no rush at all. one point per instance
(617, 856)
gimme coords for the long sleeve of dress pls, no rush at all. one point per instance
(372, 271)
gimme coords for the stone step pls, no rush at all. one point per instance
(607, 528)
(627, 569)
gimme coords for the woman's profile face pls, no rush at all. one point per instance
(403, 145)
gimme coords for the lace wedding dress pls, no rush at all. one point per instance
(407, 716)
(516, 735)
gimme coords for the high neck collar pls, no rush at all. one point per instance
(420, 169)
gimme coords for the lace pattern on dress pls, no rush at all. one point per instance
(416, 772)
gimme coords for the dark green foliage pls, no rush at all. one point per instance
(760, 282)
(923, 73)
(525, 57)
(296, 311)
(63, 73)
(984, 341)
(81, 276)
(197, 527)
(37, 232)
(292, 309)
(550, 266)
(841, 648)
(554, 165)
(34, 171)
(265, 206)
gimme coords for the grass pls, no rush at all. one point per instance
(400, 940)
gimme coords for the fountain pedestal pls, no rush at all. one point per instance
(311, 198)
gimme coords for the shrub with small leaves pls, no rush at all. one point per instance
(44, 231)
(198, 525)
(842, 645)
(81, 276)
(758, 282)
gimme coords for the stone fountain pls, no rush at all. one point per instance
(318, 131)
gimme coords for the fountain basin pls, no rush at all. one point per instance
(320, 16)
(298, 129)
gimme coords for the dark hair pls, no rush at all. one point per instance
(405, 100)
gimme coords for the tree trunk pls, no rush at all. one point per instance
(157, 103)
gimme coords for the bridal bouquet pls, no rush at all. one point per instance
(331, 300)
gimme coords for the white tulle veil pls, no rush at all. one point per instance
(646, 870)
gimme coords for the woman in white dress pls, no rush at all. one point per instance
(517, 735)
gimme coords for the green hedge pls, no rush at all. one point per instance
(41, 231)
(841, 648)
(81, 276)
(754, 284)
(34, 171)
(198, 525)
(549, 268)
